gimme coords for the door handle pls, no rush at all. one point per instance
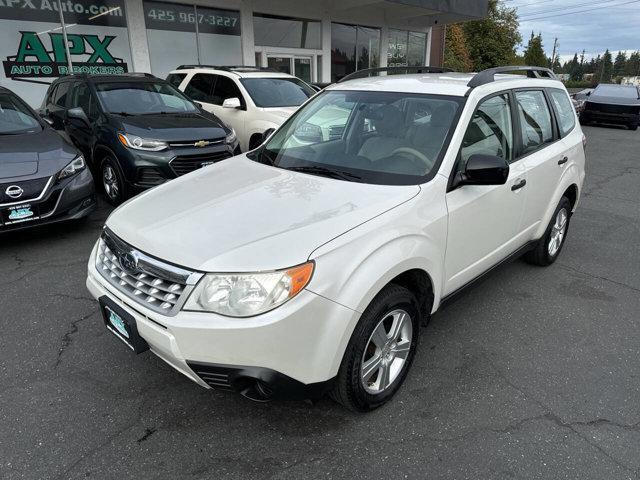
(563, 160)
(519, 185)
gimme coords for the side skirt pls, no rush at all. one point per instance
(511, 257)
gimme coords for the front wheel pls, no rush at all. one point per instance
(380, 351)
(548, 248)
(112, 180)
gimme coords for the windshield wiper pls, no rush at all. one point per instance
(325, 172)
(123, 114)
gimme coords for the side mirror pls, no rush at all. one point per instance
(267, 133)
(588, 94)
(484, 170)
(308, 132)
(47, 119)
(76, 114)
(232, 103)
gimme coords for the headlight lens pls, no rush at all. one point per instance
(248, 294)
(231, 138)
(74, 167)
(139, 143)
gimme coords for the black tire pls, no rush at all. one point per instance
(348, 388)
(541, 254)
(583, 119)
(114, 188)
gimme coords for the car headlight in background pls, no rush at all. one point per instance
(76, 165)
(248, 294)
(139, 143)
(231, 137)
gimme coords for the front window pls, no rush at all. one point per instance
(137, 98)
(15, 117)
(277, 92)
(617, 91)
(371, 137)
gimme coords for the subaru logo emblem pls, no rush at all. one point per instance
(201, 143)
(14, 191)
(128, 262)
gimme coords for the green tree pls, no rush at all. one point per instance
(606, 68)
(619, 64)
(534, 53)
(575, 69)
(492, 41)
(632, 67)
(456, 53)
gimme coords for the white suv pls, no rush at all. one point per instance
(250, 100)
(309, 266)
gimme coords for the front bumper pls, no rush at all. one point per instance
(70, 199)
(610, 117)
(293, 351)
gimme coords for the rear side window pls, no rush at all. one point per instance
(564, 109)
(535, 120)
(225, 88)
(490, 131)
(176, 79)
(60, 98)
(200, 87)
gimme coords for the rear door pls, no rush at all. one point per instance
(485, 221)
(543, 152)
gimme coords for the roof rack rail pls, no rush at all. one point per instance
(229, 68)
(367, 72)
(488, 75)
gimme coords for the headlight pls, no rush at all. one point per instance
(74, 167)
(247, 294)
(231, 138)
(138, 143)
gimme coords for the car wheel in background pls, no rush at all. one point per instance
(549, 246)
(380, 351)
(633, 126)
(112, 181)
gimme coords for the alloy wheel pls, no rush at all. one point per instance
(558, 231)
(386, 352)
(110, 182)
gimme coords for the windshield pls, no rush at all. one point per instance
(373, 137)
(277, 92)
(617, 91)
(15, 117)
(137, 98)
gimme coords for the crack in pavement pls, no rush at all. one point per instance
(39, 267)
(147, 433)
(621, 284)
(66, 338)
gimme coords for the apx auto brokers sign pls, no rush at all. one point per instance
(93, 29)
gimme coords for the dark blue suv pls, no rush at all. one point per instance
(135, 130)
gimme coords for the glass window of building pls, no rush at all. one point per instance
(175, 38)
(277, 31)
(406, 48)
(353, 47)
(32, 43)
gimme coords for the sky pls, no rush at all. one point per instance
(580, 24)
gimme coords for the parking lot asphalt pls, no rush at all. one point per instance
(532, 374)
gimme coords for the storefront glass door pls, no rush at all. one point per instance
(300, 66)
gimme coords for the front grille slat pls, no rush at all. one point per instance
(184, 164)
(159, 293)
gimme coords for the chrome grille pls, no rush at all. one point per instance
(188, 163)
(158, 286)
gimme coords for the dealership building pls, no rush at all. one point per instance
(316, 40)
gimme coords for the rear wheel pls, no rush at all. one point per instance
(112, 180)
(380, 351)
(548, 248)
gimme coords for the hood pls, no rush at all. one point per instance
(33, 155)
(174, 127)
(612, 100)
(240, 215)
(278, 114)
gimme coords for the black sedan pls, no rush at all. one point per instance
(43, 178)
(609, 103)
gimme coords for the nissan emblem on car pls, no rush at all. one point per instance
(14, 191)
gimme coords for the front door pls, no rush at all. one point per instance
(485, 220)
